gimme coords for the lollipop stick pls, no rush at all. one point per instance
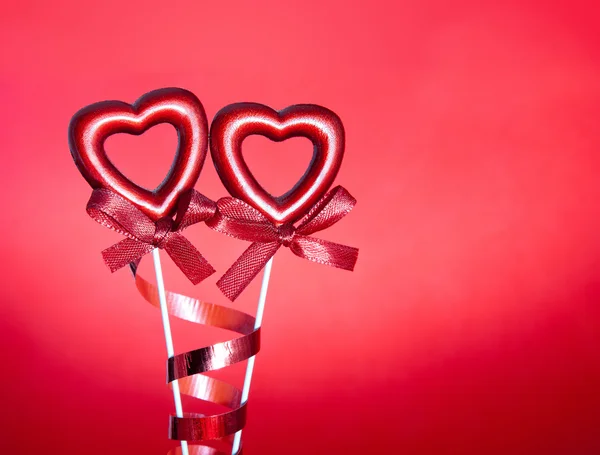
(250, 367)
(160, 284)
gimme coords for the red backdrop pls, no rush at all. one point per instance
(471, 324)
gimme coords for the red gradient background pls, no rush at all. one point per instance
(471, 324)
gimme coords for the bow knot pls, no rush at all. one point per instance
(286, 234)
(240, 220)
(164, 227)
(144, 235)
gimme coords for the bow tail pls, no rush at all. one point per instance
(245, 269)
(124, 252)
(189, 260)
(325, 252)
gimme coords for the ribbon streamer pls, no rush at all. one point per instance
(143, 235)
(187, 369)
(242, 221)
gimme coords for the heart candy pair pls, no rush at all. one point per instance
(126, 207)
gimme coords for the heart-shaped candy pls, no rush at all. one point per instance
(92, 125)
(322, 127)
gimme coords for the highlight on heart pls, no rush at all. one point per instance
(154, 220)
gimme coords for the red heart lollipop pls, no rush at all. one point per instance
(235, 122)
(92, 125)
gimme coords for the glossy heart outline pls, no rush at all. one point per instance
(322, 127)
(92, 125)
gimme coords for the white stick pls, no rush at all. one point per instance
(162, 297)
(250, 367)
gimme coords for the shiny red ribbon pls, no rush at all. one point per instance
(144, 235)
(240, 220)
(190, 370)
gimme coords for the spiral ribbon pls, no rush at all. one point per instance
(187, 369)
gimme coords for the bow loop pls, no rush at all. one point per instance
(193, 208)
(330, 209)
(143, 234)
(237, 219)
(114, 212)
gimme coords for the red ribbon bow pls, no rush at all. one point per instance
(143, 234)
(238, 219)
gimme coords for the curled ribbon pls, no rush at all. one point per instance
(187, 367)
(143, 234)
(240, 220)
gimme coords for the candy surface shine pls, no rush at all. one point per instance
(322, 127)
(92, 125)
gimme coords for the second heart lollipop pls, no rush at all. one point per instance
(268, 221)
